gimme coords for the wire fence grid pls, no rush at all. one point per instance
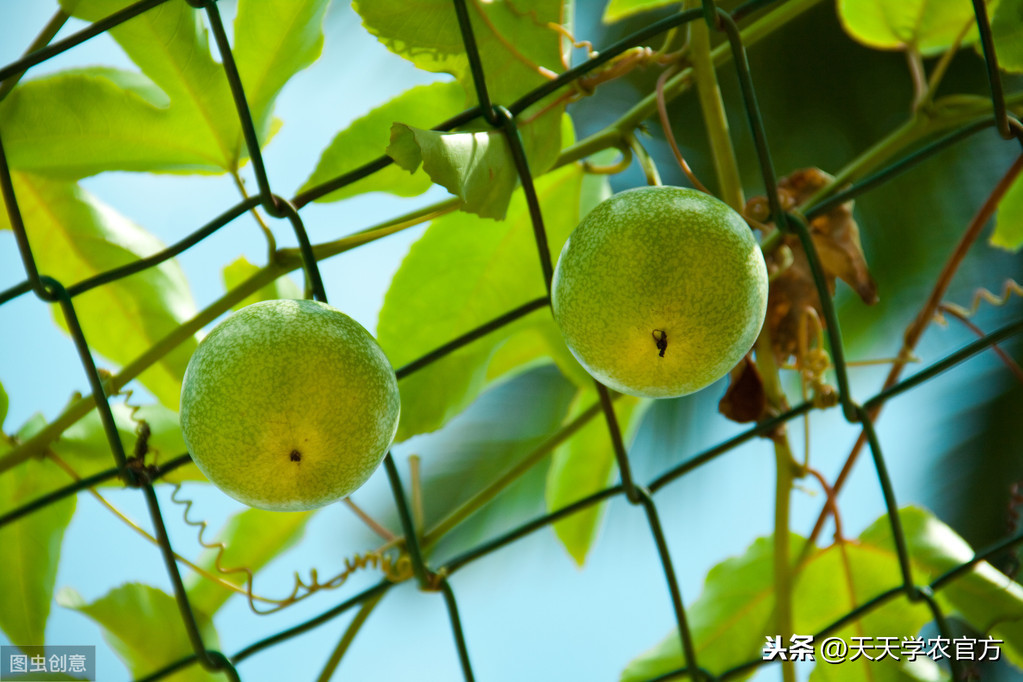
(503, 118)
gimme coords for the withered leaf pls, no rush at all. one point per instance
(744, 401)
(836, 238)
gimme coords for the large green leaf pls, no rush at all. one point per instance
(367, 138)
(984, 597)
(733, 615)
(463, 272)
(616, 10)
(584, 465)
(85, 448)
(31, 548)
(78, 123)
(145, 629)
(251, 538)
(928, 26)
(172, 48)
(241, 269)
(1007, 31)
(272, 42)
(1008, 232)
(75, 236)
(517, 46)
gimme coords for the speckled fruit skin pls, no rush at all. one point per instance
(656, 262)
(289, 405)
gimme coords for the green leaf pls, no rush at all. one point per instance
(84, 446)
(929, 26)
(75, 236)
(144, 627)
(474, 166)
(4, 403)
(241, 269)
(76, 136)
(367, 138)
(31, 548)
(251, 538)
(1008, 232)
(984, 597)
(583, 466)
(734, 614)
(517, 46)
(464, 272)
(272, 42)
(1007, 31)
(616, 10)
(172, 48)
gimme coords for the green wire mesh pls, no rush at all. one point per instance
(503, 118)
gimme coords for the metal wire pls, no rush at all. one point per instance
(502, 118)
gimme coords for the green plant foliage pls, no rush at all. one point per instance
(984, 597)
(171, 48)
(4, 404)
(144, 627)
(240, 269)
(1007, 31)
(518, 49)
(367, 138)
(31, 548)
(733, 615)
(429, 302)
(75, 236)
(251, 539)
(1008, 232)
(927, 26)
(76, 139)
(199, 128)
(272, 42)
(616, 10)
(585, 465)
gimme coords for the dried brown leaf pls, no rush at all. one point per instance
(836, 238)
(745, 400)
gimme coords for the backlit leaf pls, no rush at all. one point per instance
(616, 10)
(252, 538)
(584, 465)
(517, 46)
(929, 26)
(464, 272)
(272, 42)
(172, 48)
(31, 547)
(367, 138)
(144, 627)
(81, 122)
(75, 236)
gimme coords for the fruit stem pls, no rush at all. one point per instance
(786, 471)
(653, 178)
(714, 119)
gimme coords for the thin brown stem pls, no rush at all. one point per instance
(1013, 366)
(662, 112)
(916, 328)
